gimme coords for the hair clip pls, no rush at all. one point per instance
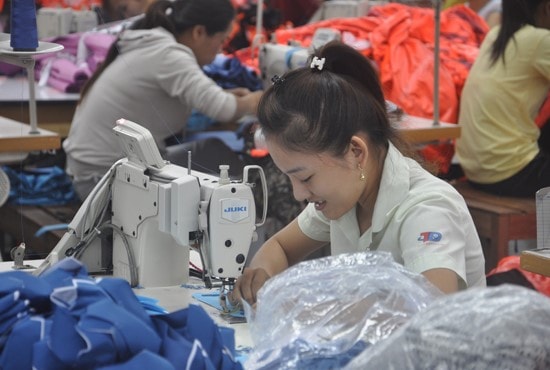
(317, 63)
(277, 80)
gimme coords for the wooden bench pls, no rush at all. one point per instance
(499, 220)
(20, 224)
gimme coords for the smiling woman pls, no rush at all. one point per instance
(326, 128)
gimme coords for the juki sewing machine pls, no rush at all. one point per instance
(145, 214)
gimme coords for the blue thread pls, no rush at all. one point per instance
(24, 32)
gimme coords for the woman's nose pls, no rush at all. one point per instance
(301, 192)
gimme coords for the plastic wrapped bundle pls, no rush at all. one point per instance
(322, 313)
(504, 327)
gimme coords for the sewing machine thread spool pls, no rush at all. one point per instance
(24, 31)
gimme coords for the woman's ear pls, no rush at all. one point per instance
(198, 32)
(358, 148)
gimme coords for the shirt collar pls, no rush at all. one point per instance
(394, 187)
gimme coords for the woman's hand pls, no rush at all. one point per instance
(247, 285)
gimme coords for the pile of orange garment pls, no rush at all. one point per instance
(400, 40)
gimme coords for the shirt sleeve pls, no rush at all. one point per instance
(314, 224)
(542, 55)
(181, 76)
(434, 235)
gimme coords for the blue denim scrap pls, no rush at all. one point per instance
(40, 186)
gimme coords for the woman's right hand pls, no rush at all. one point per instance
(247, 285)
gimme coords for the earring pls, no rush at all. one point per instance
(362, 175)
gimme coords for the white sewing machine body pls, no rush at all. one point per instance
(157, 212)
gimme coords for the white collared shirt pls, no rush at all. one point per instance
(420, 219)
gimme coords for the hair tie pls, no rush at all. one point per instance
(317, 63)
(168, 10)
(277, 80)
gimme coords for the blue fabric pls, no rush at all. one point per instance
(122, 294)
(199, 122)
(303, 355)
(91, 324)
(44, 229)
(143, 360)
(62, 273)
(27, 331)
(19, 293)
(213, 300)
(230, 138)
(229, 72)
(151, 305)
(40, 186)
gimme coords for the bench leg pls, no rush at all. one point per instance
(499, 240)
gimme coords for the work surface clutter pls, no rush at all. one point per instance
(65, 319)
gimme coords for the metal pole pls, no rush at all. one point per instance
(436, 61)
(32, 97)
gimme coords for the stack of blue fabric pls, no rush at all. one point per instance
(65, 319)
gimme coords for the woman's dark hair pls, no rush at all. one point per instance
(312, 110)
(176, 17)
(515, 14)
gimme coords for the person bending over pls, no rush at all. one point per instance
(153, 76)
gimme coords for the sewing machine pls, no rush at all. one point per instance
(145, 214)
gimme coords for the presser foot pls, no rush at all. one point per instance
(18, 256)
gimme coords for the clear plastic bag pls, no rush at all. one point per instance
(504, 327)
(322, 313)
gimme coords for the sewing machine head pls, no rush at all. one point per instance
(157, 211)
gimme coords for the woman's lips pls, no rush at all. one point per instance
(320, 205)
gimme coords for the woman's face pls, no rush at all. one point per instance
(208, 46)
(332, 183)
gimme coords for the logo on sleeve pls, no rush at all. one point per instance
(429, 236)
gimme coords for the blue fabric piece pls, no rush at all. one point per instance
(178, 350)
(40, 186)
(199, 122)
(213, 300)
(13, 310)
(63, 272)
(122, 294)
(77, 297)
(17, 354)
(24, 31)
(302, 355)
(125, 332)
(43, 357)
(194, 323)
(30, 287)
(44, 229)
(230, 138)
(100, 324)
(64, 340)
(143, 360)
(151, 305)
(229, 72)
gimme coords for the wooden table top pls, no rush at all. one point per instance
(16, 137)
(422, 130)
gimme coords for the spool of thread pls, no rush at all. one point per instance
(24, 32)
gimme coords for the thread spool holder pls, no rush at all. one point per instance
(25, 60)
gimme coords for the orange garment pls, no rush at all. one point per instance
(544, 113)
(74, 4)
(540, 282)
(400, 39)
